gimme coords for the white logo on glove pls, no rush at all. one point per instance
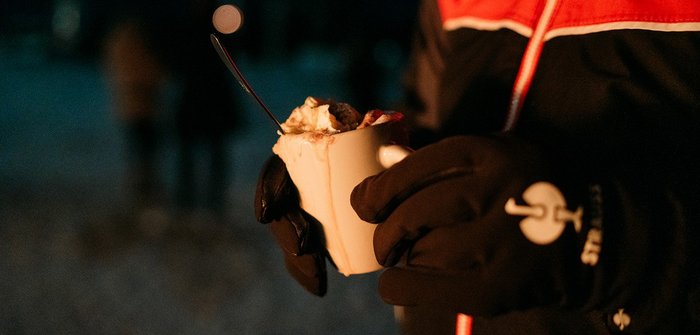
(546, 213)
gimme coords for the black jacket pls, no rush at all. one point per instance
(613, 90)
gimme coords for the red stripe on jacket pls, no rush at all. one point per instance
(575, 13)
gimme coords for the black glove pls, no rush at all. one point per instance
(443, 211)
(297, 232)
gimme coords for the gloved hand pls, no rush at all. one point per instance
(297, 232)
(442, 210)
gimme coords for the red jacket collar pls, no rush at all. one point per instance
(572, 16)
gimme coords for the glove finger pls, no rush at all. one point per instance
(467, 292)
(286, 236)
(297, 233)
(483, 278)
(378, 196)
(275, 192)
(309, 271)
(418, 215)
(412, 288)
(471, 204)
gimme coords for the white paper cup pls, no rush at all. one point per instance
(325, 170)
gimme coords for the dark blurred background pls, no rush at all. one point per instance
(129, 156)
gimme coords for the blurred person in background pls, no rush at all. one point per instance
(153, 47)
(136, 76)
(554, 185)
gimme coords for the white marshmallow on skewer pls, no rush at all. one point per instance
(227, 19)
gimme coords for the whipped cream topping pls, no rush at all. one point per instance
(326, 117)
(313, 116)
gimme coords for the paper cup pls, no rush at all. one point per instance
(325, 170)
